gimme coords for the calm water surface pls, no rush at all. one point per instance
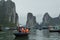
(37, 35)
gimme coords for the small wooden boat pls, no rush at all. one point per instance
(22, 31)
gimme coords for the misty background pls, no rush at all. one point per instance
(38, 8)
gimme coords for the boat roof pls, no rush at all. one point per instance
(20, 26)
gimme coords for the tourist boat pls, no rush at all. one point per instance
(54, 29)
(22, 31)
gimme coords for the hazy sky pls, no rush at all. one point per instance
(38, 8)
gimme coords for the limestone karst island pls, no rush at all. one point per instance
(8, 14)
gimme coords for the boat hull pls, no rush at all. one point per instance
(21, 34)
(54, 30)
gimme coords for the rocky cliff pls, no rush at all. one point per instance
(31, 21)
(49, 21)
(8, 13)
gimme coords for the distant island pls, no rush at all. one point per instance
(31, 21)
(49, 21)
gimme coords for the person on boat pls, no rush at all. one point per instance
(27, 30)
(19, 29)
(23, 30)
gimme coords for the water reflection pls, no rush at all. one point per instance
(21, 38)
(32, 36)
(36, 35)
(46, 33)
(50, 35)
